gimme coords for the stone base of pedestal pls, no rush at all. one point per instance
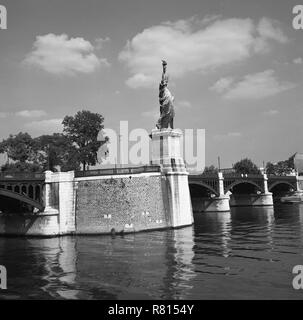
(166, 152)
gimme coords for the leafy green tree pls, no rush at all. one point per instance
(56, 150)
(21, 167)
(270, 168)
(20, 147)
(83, 129)
(246, 166)
(281, 168)
(210, 170)
(47, 152)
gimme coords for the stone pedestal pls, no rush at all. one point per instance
(166, 151)
(217, 204)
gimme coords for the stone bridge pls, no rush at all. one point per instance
(138, 198)
(217, 192)
(25, 187)
(95, 202)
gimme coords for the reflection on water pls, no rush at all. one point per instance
(248, 253)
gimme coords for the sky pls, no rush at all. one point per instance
(235, 69)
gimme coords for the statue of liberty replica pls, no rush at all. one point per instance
(166, 100)
(166, 152)
(166, 140)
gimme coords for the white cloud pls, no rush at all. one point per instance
(31, 113)
(140, 80)
(58, 54)
(271, 112)
(45, 126)
(183, 104)
(222, 84)
(252, 86)
(298, 60)
(195, 45)
(229, 135)
(100, 42)
(268, 29)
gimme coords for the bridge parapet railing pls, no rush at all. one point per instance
(231, 175)
(243, 176)
(117, 171)
(275, 177)
(21, 176)
(207, 176)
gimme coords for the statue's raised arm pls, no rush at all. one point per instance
(166, 99)
(164, 76)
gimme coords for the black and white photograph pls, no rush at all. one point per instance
(151, 151)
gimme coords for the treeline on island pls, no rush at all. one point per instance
(74, 149)
(246, 166)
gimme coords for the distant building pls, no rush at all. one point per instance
(298, 162)
(228, 170)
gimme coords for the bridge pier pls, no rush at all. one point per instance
(299, 183)
(219, 203)
(263, 198)
(247, 200)
(60, 198)
(50, 205)
(166, 151)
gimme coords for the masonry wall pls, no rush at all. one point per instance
(29, 224)
(126, 203)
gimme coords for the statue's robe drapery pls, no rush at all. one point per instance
(166, 99)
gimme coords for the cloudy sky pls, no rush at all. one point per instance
(235, 69)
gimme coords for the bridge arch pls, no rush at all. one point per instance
(205, 185)
(238, 182)
(277, 183)
(22, 198)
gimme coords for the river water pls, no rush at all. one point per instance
(248, 253)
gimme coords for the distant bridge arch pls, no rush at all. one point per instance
(21, 197)
(205, 185)
(277, 183)
(229, 187)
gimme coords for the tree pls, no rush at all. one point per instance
(19, 147)
(210, 170)
(246, 166)
(83, 130)
(46, 152)
(270, 168)
(281, 168)
(56, 150)
(21, 167)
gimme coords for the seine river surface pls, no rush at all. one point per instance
(248, 253)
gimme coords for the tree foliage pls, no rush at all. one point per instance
(83, 130)
(280, 168)
(47, 152)
(77, 145)
(55, 151)
(19, 147)
(246, 166)
(210, 170)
